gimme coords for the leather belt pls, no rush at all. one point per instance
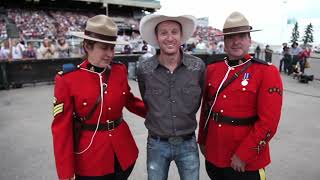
(108, 126)
(219, 118)
(184, 137)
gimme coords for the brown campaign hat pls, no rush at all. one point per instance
(100, 28)
(236, 23)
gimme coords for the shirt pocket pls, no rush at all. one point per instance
(245, 97)
(154, 94)
(191, 95)
(83, 105)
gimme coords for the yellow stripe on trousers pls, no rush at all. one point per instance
(262, 174)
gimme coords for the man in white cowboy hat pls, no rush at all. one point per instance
(241, 108)
(91, 139)
(171, 86)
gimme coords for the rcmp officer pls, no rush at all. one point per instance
(241, 108)
(90, 137)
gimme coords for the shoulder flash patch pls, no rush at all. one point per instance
(255, 60)
(66, 68)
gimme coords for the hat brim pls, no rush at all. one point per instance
(83, 36)
(238, 32)
(149, 23)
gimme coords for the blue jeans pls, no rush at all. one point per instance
(160, 154)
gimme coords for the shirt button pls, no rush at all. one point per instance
(84, 103)
(105, 92)
(173, 101)
(224, 96)
(110, 135)
(232, 68)
(219, 125)
(243, 89)
(221, 110)
(123, 93)
(168, 72)
(109, 108)
(209, 84)
(174, 116)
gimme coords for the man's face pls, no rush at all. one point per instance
(169, 37)
(237, 45)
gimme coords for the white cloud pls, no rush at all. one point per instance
(269, 15)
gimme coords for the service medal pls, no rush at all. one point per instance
(244, 82)
(245, 79)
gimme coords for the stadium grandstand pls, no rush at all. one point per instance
(32, 21)
(39, 18)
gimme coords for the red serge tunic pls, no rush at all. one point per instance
(78, 91)
(261, 96)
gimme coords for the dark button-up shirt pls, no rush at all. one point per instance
(172, 98)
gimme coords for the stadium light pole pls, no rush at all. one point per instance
(284, 22)
(107, 9)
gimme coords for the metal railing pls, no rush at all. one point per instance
(18, 72)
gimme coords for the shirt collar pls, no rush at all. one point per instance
(155, 61)
(88, 66)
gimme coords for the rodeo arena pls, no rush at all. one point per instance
(36, 44)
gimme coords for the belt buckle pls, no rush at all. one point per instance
(175, 140)
(110, 125)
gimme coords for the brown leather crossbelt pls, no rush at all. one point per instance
(108, 126)
(219, 118)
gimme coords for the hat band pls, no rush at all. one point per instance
(100, 36)
(237, 29)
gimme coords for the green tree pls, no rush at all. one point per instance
(295, 33)
(308, 35)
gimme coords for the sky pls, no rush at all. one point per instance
(269, 15)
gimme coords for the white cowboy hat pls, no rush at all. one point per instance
(100, 28)
(149, 23)
(236, 23)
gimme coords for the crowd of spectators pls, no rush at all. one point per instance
(206, 40)
(53, 27)
(13, 49)
(41, 23)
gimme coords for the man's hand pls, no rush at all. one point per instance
(203, 149)
(237, 164)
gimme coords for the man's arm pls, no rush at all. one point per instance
(269, 103)
(141, 81)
